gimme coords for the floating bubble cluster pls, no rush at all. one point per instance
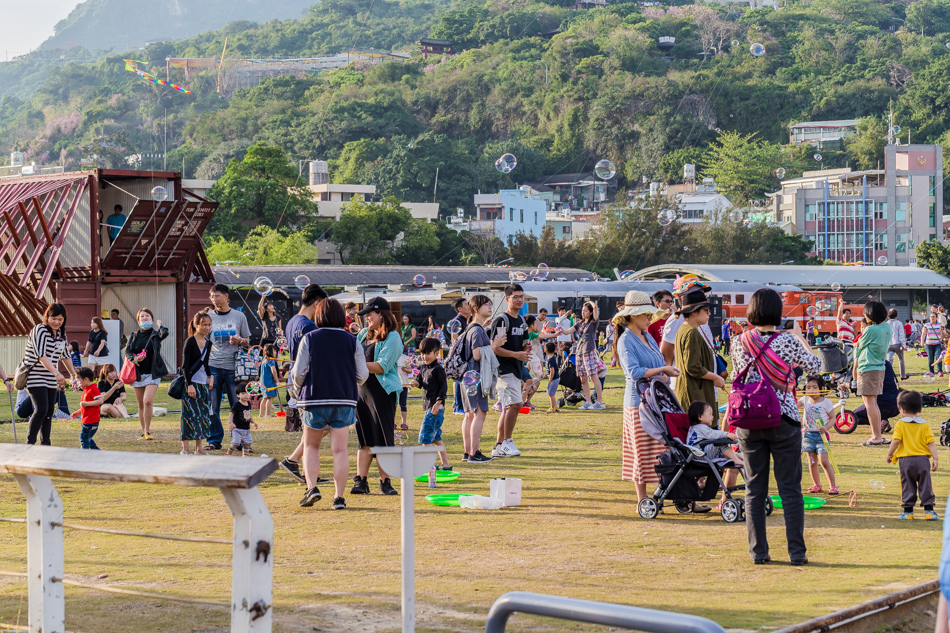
(665, 217)
(604, 169)
(472, 380)
(506, 163)
(757, 50)
(264, 286)
(159, 194)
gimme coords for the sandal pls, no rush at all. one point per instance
(815, 488)
(833, 490)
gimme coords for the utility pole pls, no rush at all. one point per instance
(436, 187)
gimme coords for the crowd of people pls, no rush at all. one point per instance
(353, 368)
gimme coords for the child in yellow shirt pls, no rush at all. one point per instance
(913, 443)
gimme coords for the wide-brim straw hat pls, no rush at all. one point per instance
(635, 303)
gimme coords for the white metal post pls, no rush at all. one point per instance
(44, 545)
(253, 561)
(408, 544)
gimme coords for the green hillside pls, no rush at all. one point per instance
(610, 93)
(118, 25)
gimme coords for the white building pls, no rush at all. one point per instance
(332, 198)
(507, 213)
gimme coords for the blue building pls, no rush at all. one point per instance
(507, 213)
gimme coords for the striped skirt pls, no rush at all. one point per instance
(639, 450)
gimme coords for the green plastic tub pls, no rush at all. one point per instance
(811, 503)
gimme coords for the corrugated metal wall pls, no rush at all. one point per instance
(78, 245)
(159, 298)
(11, 352)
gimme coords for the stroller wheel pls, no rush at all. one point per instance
(769, 506)
(560, 403)
(683, 507)
(731, 512)
(845, 422)
(648, 508)
(741, 509)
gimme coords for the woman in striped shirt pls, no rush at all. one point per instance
(932, 335)
(45, 348)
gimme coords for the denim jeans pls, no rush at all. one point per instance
(85, 436)
(934, 358)
(784, 444)
(223, 383)
(457, 401)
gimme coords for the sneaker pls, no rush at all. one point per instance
(184, 453)
(584, 407)
(599, 406)
(551, 411)
(404, 427)
(323, 480)
(313, 495)
(495, 452)
(509, 449)
(478, 458)
(248, 450)
(465, 457)
(906, 516)
(230, 450)
(142, 436)
(148, 436)
(931, 516)
(292, 468)
(360, 486)
(339, 503)
(443, 468)
(800, 562)
(386, 487)
(497, 406)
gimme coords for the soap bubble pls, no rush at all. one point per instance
(817, 157)
(419, 281)
(666, 217)
(506, 163)
(948, 44)
(454, 327)
(836, 287)
(780, 173)
(736, 215)
(542, 271)
(823, 305)
(627, 275)
(517, 275)
(301, 281)
(254, 388)
(877, 484)
(604, 169)
(159, 194)
(437, 335)
(255, 354)
(811, 311)
(896, 130)
(757, 50)
(264, 286)
(929, 377)
(735, 42)
(881, 261)
(471, 380)
(411, 146)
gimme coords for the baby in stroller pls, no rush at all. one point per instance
(688, 475)
(701, 428)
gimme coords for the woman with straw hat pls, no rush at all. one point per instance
(639, 357)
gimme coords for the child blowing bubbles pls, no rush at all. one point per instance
(434, 383)
(90, 403)
(913, 443)
(817, 420)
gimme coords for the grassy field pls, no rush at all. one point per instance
(576, 534)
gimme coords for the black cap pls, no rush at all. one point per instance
(376, 304)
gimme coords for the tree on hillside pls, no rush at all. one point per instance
(264, 246)
(742, 165)
(929, 16)
(367, 231)
(260, 189)
(866, 148)
(935, 256)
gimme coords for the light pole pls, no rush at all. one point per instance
(545, 71)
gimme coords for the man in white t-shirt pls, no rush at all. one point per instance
(564, 325)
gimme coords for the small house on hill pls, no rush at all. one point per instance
(431, 46)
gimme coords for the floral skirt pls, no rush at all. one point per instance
(196, 415)
(639, 450)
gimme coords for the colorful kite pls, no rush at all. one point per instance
(131, 66)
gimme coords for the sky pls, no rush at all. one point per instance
(27, 23)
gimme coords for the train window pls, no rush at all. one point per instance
(727, 298)
(532, 307)
(740, 299)
(804, 299)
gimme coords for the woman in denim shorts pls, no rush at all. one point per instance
(327, 387)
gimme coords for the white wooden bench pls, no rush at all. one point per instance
(252, 563)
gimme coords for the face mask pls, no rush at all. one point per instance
(145, 325)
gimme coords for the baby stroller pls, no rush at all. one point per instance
(681, 467)
(836, 357)
(570, 384)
